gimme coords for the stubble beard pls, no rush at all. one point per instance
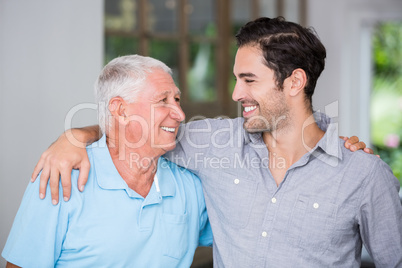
(272, 117)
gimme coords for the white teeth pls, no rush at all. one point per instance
(250, 108)
(169, 129)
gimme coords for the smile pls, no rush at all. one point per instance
(250, 108)
(169, 129)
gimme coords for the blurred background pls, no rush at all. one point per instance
(52, 51)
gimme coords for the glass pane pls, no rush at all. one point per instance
(116, 46)
(167, 52)
(121, 15)
(201, 17)
(386, 99)
(241, 14)
(162, 16)
(201, 76)
(268, 8)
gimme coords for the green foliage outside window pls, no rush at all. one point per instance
(116, 46)
(386, 101)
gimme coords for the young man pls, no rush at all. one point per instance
(280, 188)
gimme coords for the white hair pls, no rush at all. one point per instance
(123, 77)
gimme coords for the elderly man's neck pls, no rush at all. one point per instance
(136, 164)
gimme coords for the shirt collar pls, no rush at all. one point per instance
(328, 149)
(167, 182)
(329, 143)
(109, 178)
(255, 138)
(321, 119)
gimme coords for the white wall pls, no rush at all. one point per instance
(344, 27)
(50, 55)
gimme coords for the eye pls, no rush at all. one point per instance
(177, 99)
(249, 81)
(164, 100)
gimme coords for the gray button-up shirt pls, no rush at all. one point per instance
(329, 202)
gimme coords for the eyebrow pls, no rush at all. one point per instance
(241, 75)
(167, 92)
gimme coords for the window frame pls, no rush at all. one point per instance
(223, 41)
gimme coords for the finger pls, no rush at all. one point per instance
(351, 141)
(44, 178)
(368, 150)
(66, 183)
(37, 169)
(83, 176)
(344, 138)
(54, 185)
(357, 146)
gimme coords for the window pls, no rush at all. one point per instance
(386, 97)
(194, 38)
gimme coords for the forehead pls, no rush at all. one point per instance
(160, 83)
(248, 55)
(249, 59)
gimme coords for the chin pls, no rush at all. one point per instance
(252, 130)
(255, 126)
(168, 148)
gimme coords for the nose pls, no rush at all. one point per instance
(177, 113)
(237, 92)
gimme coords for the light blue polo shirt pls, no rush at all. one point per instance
(109, 224)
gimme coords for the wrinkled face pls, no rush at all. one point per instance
(156, 114)
(265, 106)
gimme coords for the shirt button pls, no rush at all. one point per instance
(273, 200)
(316, 205)
(236, 181)
(264, 234)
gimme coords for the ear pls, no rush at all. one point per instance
(298, 82)
(117, 107)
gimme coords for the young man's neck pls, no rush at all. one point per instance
(286, 146)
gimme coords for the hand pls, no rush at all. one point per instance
(353, 145)
(65, 154)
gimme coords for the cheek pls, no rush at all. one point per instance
(138, 129)
(139, 123)
(159, 114)
(259, 96)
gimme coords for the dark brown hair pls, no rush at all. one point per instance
(286, 46)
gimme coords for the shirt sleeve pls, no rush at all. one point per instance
(381, 217)
(205, 236)
(193, 142)
(37, 234)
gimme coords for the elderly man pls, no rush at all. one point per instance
(138, 209)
